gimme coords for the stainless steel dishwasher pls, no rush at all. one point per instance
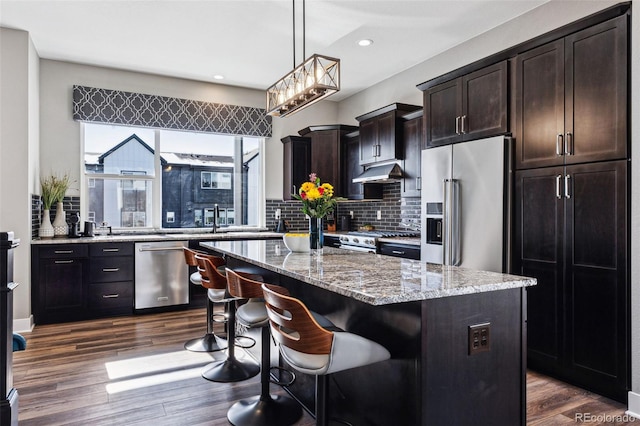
(162, 276)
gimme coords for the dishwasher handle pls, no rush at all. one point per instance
(141, 249)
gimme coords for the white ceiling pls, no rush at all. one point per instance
(250, 42)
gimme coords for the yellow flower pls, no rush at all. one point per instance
(307, 186)
(313, 194)
(328, 189)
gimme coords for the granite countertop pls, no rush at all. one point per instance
(163, 236)
(371, 278)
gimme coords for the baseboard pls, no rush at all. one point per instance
(634, 405)
(23, 325)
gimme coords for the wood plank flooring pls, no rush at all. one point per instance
(134, 371)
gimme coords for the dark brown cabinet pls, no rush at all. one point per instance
(297, 164)
(469, 107)
(327, 154)
(111, 276)
(571, 234)
(58, 273)
(351, 157)
(412, 149)
(381, 133)
(571, 98)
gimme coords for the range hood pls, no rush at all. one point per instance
(380, 174)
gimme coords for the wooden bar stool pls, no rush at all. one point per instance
(312, 349)
(209, 342)
(264, 409)
(231, 369)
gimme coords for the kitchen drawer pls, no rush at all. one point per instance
(114, 295)
(63, 251)
(405, 251)
(109, 269)
(111, 249)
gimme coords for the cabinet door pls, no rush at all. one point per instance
(412, 156)
(484, 102)
(61, 290)
(538, 252)
(368, 141)
(596, 93)
(325, 158)
(540, 106)
(389, 132)
(296, 163)
(443, 106)
(354, 191)
(596, 290)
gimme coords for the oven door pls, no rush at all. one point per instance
(357, 248)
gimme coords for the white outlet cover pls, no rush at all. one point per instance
(379, 215)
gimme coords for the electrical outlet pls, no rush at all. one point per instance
(278, 213)
(479, 338)
(351, 214)
(379, 215)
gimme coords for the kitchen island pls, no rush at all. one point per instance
(456, 336)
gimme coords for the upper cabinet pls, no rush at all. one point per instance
(297, 164)
(381, 133)
(571, 98)
(469, 107)
(412, 147)
(327, 154)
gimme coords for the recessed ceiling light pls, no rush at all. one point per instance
(365, 42)
(218, 77)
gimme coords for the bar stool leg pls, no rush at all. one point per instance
(231, 369)
(265, 409)
(209, 342)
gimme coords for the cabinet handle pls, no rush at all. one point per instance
(464, 119)
(418, 183)
(558, 194)
(374, 150)
(110, 296)
(457, 125)
(294, 189)
(110, 269)
(568, 144)
(567, 192)
(63, 251)
(397, 252)
(559, 144)
(63, 261)
(110, 250)
(378, 150)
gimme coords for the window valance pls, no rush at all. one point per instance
(137, 109)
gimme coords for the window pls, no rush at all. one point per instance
(191, 174)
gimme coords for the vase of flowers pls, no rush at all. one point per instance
(317, 202)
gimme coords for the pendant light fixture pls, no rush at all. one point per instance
(315, 79)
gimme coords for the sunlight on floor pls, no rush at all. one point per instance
(154, 370)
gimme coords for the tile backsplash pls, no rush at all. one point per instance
(69, 203)
(393, 209)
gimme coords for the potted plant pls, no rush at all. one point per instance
(53, 189)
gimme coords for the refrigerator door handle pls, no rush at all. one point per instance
(451, 213)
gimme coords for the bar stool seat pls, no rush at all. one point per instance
(311, 349)
(209, 342)
(264, 409)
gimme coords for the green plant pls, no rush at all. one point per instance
(53, 189)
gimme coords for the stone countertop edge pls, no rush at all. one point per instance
(161, 237)
(375, 279)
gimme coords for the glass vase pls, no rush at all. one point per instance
(315, 235)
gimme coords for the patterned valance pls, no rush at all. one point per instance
(136, 109)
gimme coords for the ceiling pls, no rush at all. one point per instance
(250, 42)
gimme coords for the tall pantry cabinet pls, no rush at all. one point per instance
(571, 205)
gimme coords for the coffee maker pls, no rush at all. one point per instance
(74, 225)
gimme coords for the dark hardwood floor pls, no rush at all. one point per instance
(134, 371)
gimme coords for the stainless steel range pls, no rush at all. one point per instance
(368, 240)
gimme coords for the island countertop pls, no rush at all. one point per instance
(371, 278)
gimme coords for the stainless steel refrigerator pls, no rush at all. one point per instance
(466, 190)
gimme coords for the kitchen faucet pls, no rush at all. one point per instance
(216, 215)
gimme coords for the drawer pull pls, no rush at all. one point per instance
(110, 269)
(110, 296)
(63, 251)
(110, 250)
(62, 261)
(397, 251)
